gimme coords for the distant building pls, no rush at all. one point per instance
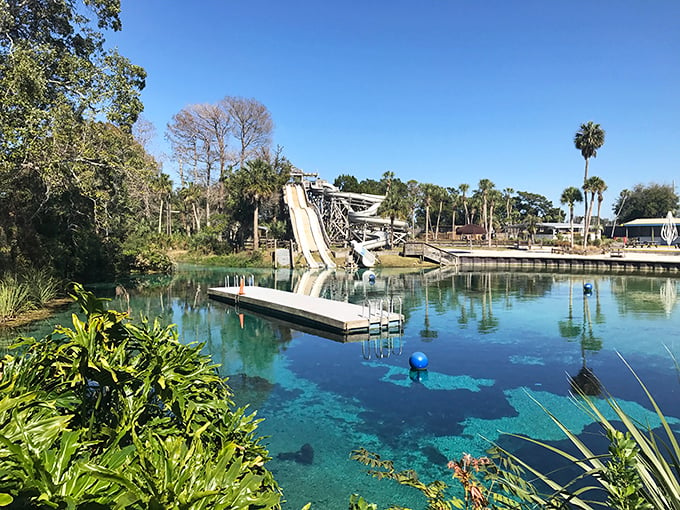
(551, 231)
(646, 230)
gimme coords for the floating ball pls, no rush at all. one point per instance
(587, 288)
(418, 361)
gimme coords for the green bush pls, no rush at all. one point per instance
(111, 414)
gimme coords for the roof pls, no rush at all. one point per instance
(650, 222)
(470, 229)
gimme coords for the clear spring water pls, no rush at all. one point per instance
(492, 339)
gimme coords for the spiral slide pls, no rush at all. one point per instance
(306, 227)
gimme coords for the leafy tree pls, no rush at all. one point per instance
(68, 164)
(588, 139)
(650, 201)
(569, 197)
(527, 203)
(347, 183)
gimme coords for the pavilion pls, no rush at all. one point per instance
(647, 230)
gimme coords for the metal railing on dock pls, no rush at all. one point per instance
(381, 313)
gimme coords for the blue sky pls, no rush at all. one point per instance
(441, 91)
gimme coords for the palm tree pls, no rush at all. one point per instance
(485, 186)
(588, 139)
(590, 186)
(453, 194)
(600, 188)
(429, 192)
(507, 194)
(570, 196)
(257, 180)
(463, 190)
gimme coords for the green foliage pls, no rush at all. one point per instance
(111, 414)
(15, 298)
(532, 204)
(26, 290)
(651, 201)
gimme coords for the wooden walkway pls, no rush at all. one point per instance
(320, 313)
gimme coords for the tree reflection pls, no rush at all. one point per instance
(427, 333)
(586, 381)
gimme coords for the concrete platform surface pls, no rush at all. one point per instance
(306, 310)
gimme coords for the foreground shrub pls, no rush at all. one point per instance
(111, 414)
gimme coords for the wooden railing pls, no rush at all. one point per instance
(429, 252)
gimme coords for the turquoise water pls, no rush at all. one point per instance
(494, 342)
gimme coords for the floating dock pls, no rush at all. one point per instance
(319, 313)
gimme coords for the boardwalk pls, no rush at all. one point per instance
(325, 314)
(620, 261)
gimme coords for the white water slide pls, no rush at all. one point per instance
(307, 227)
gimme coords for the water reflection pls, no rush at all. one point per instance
(498, 335)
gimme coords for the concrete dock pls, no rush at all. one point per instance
(319, 313)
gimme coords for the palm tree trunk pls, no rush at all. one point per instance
(427, 222)
(439, 215)
(571, 225)
(585, 202)
(256, 227)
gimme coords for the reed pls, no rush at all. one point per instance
(15, 298)
(42, 285)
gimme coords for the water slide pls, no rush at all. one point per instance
(306, 227)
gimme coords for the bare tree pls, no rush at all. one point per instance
(251, 125)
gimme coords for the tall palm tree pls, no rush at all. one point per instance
(429, 191)
(453, 194)
(463, 190)
(588, 139)
(507, 194)
(590, 186)
(600, 188)
(485, 186)
(570, 196)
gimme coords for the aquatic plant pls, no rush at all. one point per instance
(640, 470)
(476, 477)
(111, 414)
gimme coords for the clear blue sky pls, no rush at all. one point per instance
(441, 91)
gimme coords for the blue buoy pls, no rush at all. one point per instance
(418, 361)
(371, 279)
(588, 288)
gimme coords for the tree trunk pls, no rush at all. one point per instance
(439, 215)
(427, 222)
(489, 226)
(256, 227)
(160, 217)
(453, 222)
(589, 211)
(571, 225)
(585, 202)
